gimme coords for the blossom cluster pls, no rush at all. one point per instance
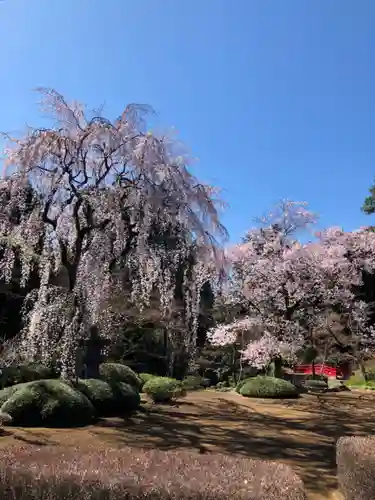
(289, 285)
(96, 207)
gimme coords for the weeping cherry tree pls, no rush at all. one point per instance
(101, 191)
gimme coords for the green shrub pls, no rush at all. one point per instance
(241, 383)
(7, 392)
(268, 387)
(144, 377)
(163, 389)
(47, 403)
(13, 375)
(110, 400)
(195, 382)
(5, 419)
(115, 372)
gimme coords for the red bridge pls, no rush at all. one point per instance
(328, 371)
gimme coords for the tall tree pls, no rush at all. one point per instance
(289, 288)
(369, 204)
(100, 190)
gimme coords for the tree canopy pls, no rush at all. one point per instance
(101, 194)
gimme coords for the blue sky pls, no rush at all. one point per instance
(275, 97)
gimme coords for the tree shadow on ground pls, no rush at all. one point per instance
(30, 436)
(302, 432)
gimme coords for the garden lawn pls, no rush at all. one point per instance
(301, 432)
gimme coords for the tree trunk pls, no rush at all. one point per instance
(274, 368)
(363, 370)
(278, 368)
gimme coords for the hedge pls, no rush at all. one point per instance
(12, 375)
(129, 473)
(163, 389)
(116, 372)
(109, 400)
(269, 387)
(47, 403)
(195, 382)
(355, 457)
(144, 377)
(241, 383)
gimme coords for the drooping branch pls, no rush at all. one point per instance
(102, 189)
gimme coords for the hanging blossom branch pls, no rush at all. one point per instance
(100, 190)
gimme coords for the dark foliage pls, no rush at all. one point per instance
(46, 403)
(110, 400)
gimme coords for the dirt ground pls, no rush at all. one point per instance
(300, 432)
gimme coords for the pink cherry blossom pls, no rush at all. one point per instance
(286, 285)
(96, 202)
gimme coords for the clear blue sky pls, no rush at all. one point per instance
(275, 97)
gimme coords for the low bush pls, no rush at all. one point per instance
(116, 372)
(47, 403)
(163, 389)
(268, 387)
(195, 382)
(129, 473)
(5, 419)
(144, 377)
(355, 457)
(241, 383)
(110, 400)
(12, 375)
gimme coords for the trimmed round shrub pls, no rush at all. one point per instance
(109, 400)
(195, 382)
(13, 375)
(241, 383)
(5, 419)
(6, 393)
(144, 377)
(163, 389)
(269, 387)
(116, 372)
(47, 403)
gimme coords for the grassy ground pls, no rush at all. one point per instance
(299, 432)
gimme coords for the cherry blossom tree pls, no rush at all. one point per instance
(351, 256)
(286, 285)
(261, 291)
(105, 196)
